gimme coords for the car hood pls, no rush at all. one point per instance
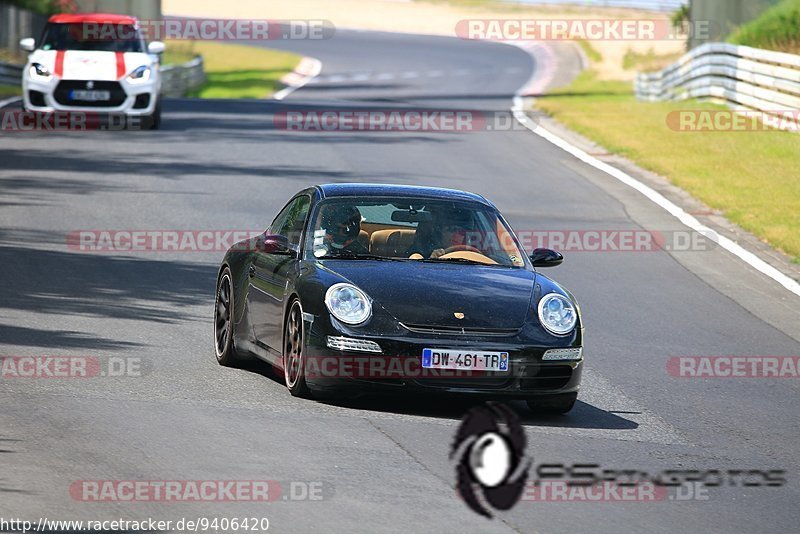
(90, 65)
(430, 294)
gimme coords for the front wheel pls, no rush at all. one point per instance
(223, 322)
(552, 404)
(153, 122)
(294, 352)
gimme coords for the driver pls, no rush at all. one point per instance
(341, 225)
(449, 230)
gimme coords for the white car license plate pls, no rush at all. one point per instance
(460, 359)
(90, 96)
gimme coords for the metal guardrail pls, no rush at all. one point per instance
(179, 80)
(10, 74)
(176, 81)
(743, 77)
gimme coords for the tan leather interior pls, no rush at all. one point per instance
(363, 238)
(391, 243)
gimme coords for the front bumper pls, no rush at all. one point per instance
(398, 368)
(46, 97)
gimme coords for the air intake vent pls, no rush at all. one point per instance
(458, 331)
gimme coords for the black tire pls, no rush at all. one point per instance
(552, 404)
(294, 352)
(224, 349)
(153, 122)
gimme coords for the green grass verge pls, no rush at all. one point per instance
(234, 71)
(7, 91)
(750, 176)
(777, 28)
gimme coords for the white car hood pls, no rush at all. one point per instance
(90, 65)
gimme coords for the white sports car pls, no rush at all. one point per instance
(93, 63)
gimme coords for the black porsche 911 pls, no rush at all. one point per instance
(386, 288)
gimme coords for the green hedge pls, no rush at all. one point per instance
(778, 28)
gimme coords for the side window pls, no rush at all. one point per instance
(291, 220)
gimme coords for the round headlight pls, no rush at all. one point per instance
(557, 313)
(348, 303)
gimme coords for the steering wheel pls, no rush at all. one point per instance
(460, 248)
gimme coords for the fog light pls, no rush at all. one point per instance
(563, 354)
(346, 343)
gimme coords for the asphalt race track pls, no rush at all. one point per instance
(222, 165)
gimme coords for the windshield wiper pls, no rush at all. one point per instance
(356, 257)
(454, 260)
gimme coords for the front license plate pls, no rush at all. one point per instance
(469, 360)
(90, 96)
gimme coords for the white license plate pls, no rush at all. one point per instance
(460, 359)
(90, 96)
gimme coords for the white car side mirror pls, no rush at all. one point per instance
(156, 47)
(28, 44)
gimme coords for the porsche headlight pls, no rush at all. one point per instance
(557, 314)
(39, 72)
(140, 75)
(348, 303)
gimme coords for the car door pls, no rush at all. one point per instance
(270, 273)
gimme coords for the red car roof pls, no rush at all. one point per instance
(100, 18)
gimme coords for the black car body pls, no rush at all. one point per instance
(271, 303)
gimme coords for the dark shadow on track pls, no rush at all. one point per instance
(583, 415)
(94, 285)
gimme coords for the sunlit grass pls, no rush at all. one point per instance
(751, 176)
(234, 71)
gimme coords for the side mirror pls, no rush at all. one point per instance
(544, 257)
(156, 47)
(275, 244)
(28, 44)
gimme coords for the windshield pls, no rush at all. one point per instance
(412, 229)
(79, 36)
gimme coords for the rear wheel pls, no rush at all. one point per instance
(552, 404)
(223, 322)
(294, 352)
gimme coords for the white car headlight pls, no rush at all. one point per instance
(39, 72)
(348, 303)
(140, 75)
(557, 314)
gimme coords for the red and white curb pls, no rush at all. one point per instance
(545, 60)
(308, 69)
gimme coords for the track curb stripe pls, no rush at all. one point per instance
(308, 69)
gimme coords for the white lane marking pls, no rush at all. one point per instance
(308, 69)
(361, 77)
(336, 78)
(9, 101)
(385, 76)
(410, 74)
(463, 72)
(734, 248)
(435, 73)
